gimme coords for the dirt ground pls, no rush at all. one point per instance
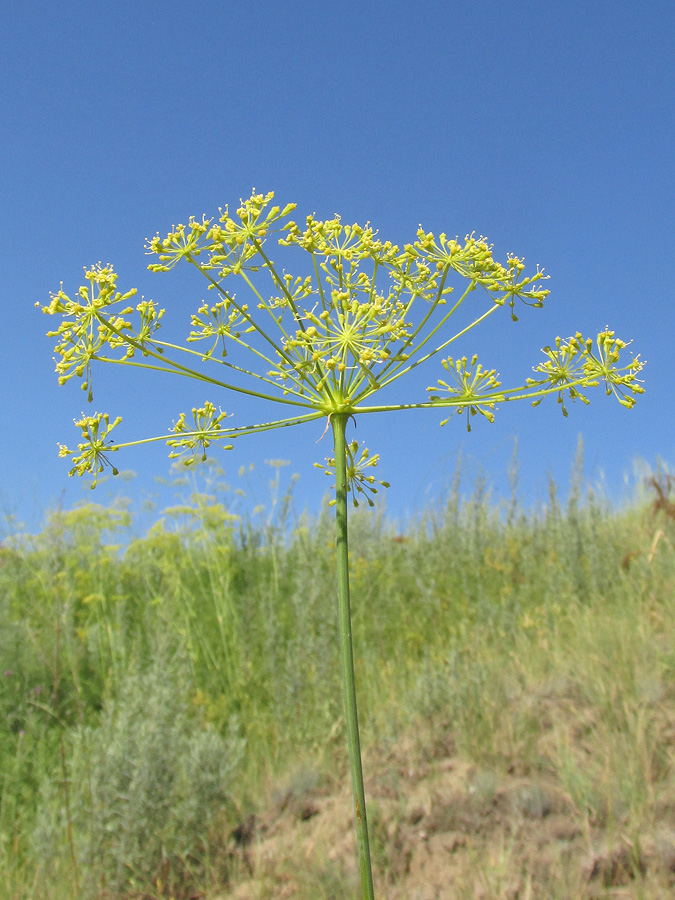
(441, 828)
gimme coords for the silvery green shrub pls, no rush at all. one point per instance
(146, 784)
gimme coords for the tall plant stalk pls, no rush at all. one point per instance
(339, 423)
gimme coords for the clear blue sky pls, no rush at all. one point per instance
(547, 127)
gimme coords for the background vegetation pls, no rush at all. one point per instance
(154, 688)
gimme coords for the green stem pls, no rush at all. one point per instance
(339, 423)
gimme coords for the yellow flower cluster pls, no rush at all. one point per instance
(82, 334)
(94, 447)
(324, 342)
(573, 364)
(206, 429)
(473, 389)
(359, 479)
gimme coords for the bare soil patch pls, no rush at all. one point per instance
(443, 828)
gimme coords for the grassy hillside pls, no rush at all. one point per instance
(172, 710)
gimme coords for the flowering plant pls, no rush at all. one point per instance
(323, 343)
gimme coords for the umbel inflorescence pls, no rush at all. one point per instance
(361, 315)
(364, 314)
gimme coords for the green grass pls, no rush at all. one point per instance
(150, 695)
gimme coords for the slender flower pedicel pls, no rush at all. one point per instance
(364, 314)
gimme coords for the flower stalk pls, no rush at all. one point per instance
(339, 424)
